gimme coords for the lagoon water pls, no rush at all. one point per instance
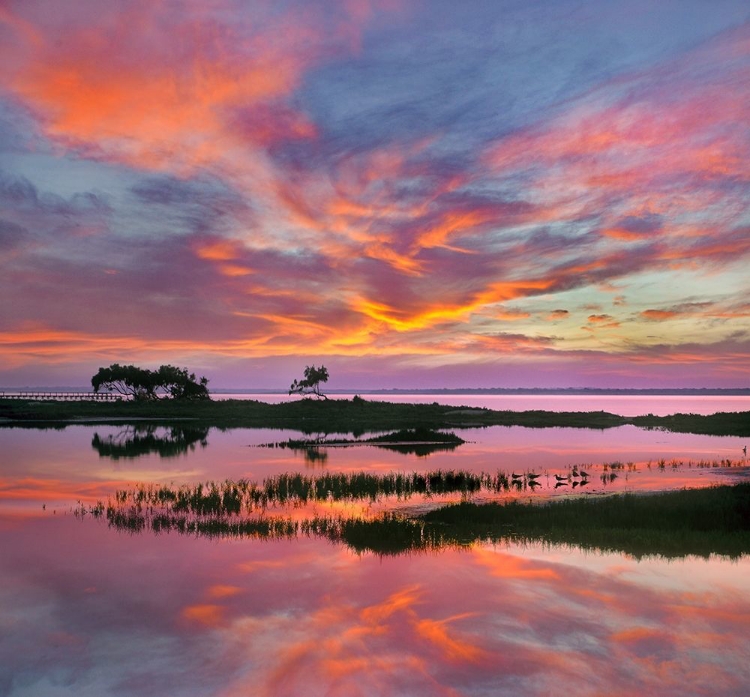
(86, 609)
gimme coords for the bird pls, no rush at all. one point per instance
(516, 476)
(584, 474)
(744, 450)
(561, 479)
(532, 475)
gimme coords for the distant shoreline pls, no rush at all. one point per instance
(688, 392)
(351, 415)
(573, 391)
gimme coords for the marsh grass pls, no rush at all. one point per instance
(234, 497)
(713, 520)
(294, 489)
(701, 522)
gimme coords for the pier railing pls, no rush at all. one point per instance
(62, 396)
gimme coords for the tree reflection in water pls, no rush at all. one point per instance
(137, 440)
(414, 441)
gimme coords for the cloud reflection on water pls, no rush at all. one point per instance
(91, 611)
(85, 610)
(58, 468)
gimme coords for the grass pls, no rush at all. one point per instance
(356, 416)
(235, 497)
(729, 423)
(713, 520)
(701, 522)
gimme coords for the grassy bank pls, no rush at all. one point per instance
(355, 416)
(730, 423)
(701, 522)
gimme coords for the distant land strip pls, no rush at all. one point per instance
(458, 391)
(511, 391)
(355, 416)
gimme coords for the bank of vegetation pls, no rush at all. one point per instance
(348, 416)
(714, 520)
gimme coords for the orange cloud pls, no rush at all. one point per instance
(223, 591)
(436, 632)
(218, 250)
(452, 224)
(206, 614)
(116, 87)
(659, 315)
(511, 315)
(397, 602)
(48, 490)
(513, 567)
(621, 233)
(404, 319)
(602, 321)
(233, 270)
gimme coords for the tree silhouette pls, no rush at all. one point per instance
(310, 384)
(144, 384)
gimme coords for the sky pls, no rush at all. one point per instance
(414, 193)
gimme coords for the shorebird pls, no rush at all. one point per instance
(561, 479)
(531, 475)
(744, 450)
(584, 474)
(516, 476)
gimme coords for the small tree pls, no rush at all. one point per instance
(310, 384)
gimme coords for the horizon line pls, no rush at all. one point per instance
(428, 390)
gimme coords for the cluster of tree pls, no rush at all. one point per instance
(144, 384)
(310, 384)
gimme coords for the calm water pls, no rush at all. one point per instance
(87, 610)
(624, 405)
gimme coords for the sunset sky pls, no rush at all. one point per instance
(418, 194)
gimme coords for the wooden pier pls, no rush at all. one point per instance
(62, 396)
